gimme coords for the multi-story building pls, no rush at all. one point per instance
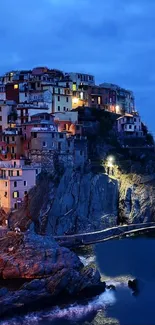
(59, 97)
(101, 97)
(43, 121)
(11, 145)
(81, 78)
(68, 121)
(124, 102)
(7, 114)
(16, 179)
(25, 111)
(2, 92)
(130, 125)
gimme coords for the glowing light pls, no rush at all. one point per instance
(15, 86)
(117, 109)
(75, 100)
(111, 159)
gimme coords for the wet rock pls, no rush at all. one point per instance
(111, 287)
(48, 270)
(133, 285)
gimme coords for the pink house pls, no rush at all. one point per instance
(16, 180)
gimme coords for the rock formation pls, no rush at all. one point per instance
(83, 202)
(136, 198)
(47, 269)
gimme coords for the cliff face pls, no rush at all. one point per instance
(136, 198)
(83, 202)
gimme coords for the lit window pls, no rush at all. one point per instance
(15, 86)
(99, 100)
(74, 87)
(81, 95)
(15, 194)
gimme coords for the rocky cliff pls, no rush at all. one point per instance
(137, 198)
(83, 202)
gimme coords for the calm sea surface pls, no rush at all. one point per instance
(117, 261)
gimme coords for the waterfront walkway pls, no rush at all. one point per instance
(105, 235)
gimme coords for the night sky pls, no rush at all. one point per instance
(112, 39)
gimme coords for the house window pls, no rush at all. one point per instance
(5, 194)
(67, 99)
(25, 183)
(17, 172)
(99, 100)
(15, 195)
(6, 184)
(64, 108)
(25, 193)
(25, 94)
(44, 144)
(0, 118)
(58, 98)
(134, 119)
(74, 86)
(15, 86)
(61, 135)
(12, 150)
(59, 91)
(81, 152)
(0, 108)
(58, 108)
(15, 184)
(10, 173)
(13, 138)
(130, 126)
(15, 206)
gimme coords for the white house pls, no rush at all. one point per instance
(130, 125)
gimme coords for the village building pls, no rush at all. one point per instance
(11, 144)
(16, 180)
(68, 121)
(130, 125)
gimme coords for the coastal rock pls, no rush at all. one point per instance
(48, 271)
(83, 202)
(136, 198)
(133, 285)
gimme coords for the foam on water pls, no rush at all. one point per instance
(72, 312)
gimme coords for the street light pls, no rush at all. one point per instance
(110, 164)
(110, 160)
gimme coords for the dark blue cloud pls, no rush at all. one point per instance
(113, 39)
